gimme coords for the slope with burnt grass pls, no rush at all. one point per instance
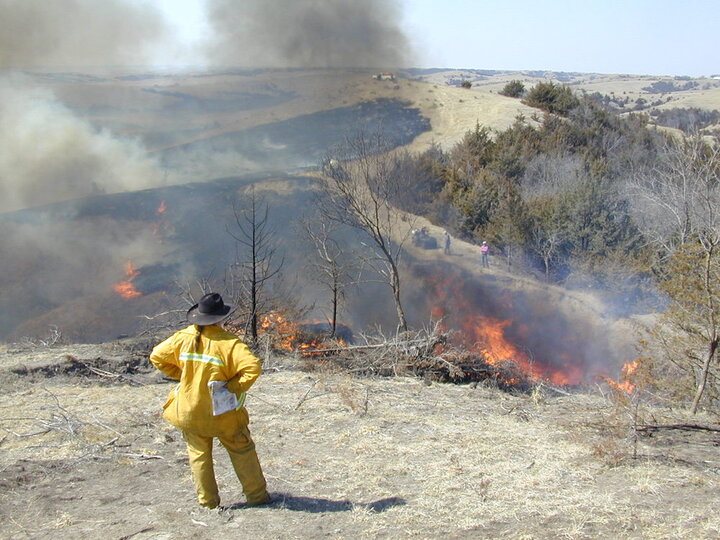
(85, 453)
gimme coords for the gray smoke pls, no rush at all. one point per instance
(307, 33)
(49, 152)
(73, 33)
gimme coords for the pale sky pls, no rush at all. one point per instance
(654, 37)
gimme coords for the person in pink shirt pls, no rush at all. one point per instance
(484, 249)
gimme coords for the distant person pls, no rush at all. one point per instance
(215, 370)
(446, 243)
(484, 251)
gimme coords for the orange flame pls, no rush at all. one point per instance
(125, 288)
(284, 330)
(159, 228)
(287, 335)
(625, 384)
(483, 332)
(487, 336)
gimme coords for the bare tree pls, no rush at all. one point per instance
(677, 204)
(549, 176)
(546, 244)
(359, 183)
(332, 267)
(255, 259)
(676, 198)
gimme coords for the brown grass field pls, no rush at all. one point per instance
(452, 110)
(85, 454)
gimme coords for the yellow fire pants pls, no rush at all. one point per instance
(241, 450)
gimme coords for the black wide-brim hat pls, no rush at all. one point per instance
(209, 310)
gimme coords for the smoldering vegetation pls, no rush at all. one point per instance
(230, 100)
(64, 258)
(50, 263)
(52, 151)
(63, 262)
(543, 329)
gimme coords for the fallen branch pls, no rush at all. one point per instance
(554, 389)
(686, 427)
(350, 348)
(111, 375)
(128, 536)
(21, 435)
(63, 421)
(302, 399)
(142, 456)
(98, 423)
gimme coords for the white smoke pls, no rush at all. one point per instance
(49, 154)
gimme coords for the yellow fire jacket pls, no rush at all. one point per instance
(220, 356)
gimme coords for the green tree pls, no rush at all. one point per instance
(508, 227)
(687, 332)
(513, 89)
(474, 152)
(552, 98)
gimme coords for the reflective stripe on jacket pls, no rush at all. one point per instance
(219, 356)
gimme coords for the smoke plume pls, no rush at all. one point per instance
(76, 33)
(48, 154)
(307, 33)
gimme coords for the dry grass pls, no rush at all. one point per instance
(357, 458)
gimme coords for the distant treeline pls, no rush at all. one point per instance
(687, 120)
(664, 87)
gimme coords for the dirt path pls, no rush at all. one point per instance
(467, 256)
(344, 458)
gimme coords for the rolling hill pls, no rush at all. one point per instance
(85, 450)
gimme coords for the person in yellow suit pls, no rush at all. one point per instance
(205, 353)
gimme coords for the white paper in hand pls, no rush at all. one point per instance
(223, 400)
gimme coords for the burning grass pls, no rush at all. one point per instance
(428, 354)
